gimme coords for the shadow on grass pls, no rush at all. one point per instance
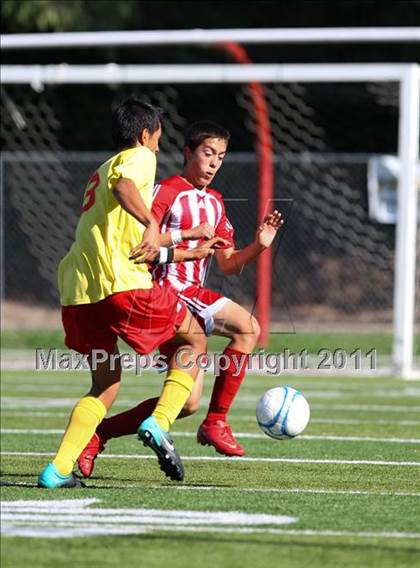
(156, 487)
(93, 483)
(190, 538)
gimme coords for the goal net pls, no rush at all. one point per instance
(333, 264)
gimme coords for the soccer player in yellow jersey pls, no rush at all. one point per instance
(180, 202)
(106, 294)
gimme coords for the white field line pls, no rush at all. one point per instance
(52, 515)
(234, 460)
(323, 380)
(244, 402)
(293, 490)
(304, 532)
(69, 520)
(69, 386)
(54, 518)
(251, 435)
(251, 417)
(342, 384)
(350, 421)
(392, 391)
(116, 516)
(383, 371)
(297, 532)
(16, 402)
(252, 382)
(94, 528)
(61, 520)
(137, 390)
(34, 414)
(290, 490)
(66, 530)
(331, 392)
(319, 437)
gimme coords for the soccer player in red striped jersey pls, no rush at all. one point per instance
(177, 205)
(189, 212)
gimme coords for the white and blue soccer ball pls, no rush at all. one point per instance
(283, 412)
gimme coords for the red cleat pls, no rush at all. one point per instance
(219, 435)
(86, 460)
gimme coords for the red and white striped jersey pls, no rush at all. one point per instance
(179, 205)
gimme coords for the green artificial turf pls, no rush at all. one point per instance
(348, 514)
(295, 342)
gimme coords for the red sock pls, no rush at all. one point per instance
(227, 384)
(126, 423)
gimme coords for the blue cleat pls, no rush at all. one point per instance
(50, 478)
(153, 436)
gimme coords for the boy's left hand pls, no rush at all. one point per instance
(268, 229)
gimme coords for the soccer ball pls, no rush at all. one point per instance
(283, 412)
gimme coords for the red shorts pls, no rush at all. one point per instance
(142, 318)
(203, 303)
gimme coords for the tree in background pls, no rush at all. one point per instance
(82, 15)
(67, 15)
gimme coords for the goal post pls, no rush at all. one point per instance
(209, 36)
(407, 211)
(407, 75)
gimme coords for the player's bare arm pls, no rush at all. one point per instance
(232, 261)
(203, 231)
(207, 248)
(129, 198)
(204, 250)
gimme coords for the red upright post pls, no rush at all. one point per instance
(265, 189)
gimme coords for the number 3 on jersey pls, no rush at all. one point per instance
(89, 197)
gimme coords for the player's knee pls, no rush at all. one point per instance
(249, 334)
(199, 342)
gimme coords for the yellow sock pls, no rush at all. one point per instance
(86, 416)
(176, 390)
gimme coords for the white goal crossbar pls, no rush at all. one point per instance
(209, 73)
(408, 76)
(209, 37)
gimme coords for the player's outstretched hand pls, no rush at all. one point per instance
(268, 230)
(203, 231)
(149, 247)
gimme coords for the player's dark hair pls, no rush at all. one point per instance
(197, 132)
(130, 116)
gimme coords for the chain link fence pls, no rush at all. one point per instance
(332, 264)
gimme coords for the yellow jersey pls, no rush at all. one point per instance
(97, 264)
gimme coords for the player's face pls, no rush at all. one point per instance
(151, 140)
(204, 162)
